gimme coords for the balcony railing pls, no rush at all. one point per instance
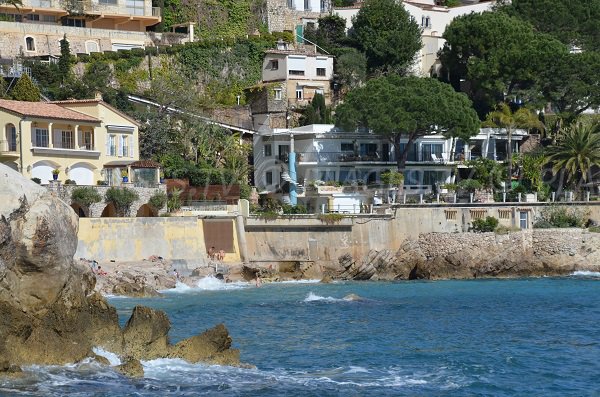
(8, 146)
(381, 157)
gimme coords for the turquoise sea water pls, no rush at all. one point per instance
(530, 337)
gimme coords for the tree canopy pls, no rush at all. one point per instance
(407, 108)
(387, 34)
(574, 22)
(25, 90)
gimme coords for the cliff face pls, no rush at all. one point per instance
(48, 312)
(539, 252)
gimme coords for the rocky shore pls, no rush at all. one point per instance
(50, 312)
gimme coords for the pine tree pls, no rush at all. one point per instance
(64, 61)
(25, 90)
(3, 88)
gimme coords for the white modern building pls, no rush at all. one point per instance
(433, 20)
(325, 155)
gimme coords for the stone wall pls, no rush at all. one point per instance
(95, 211)
(280, 17)
(47, 39)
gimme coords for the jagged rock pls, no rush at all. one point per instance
(131, 367)
(213, 346)
(134, 290)
(326, 279)
(145, 334)
(49, 312)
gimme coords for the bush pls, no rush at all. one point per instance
(174, 200)
(70, 182)
(505, 229)
(470, 185)
(37, 180)
(392, 178)
(85, 196)
(102, 183)
(122, 198)
(331, 218)
(594, 229)
(293, 209)
(489, 224)
(158, 200)
(560, 217)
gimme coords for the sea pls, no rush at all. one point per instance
(520, 337)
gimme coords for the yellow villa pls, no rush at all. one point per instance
(85, 140)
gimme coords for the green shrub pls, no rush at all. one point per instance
(85, 196)
(594, 229)
(470, 185)
(392, 178)
(331, 218)
(489, 224)
(505, 229)
(122, 198)
(158, 200)
(37, 180)
(293, 209)
(174, 200)
(70, 182)
(267, 215)
(560, 217)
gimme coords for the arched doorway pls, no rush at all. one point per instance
(43, 170)
(82, 174)
(146, 211)
(109, 211)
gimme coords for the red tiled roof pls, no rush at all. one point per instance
(45, 110)
(145, 164)
(97, 101)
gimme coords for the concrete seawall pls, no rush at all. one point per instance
(288, 239)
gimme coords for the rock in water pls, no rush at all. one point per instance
(48, 311)
(352, 297)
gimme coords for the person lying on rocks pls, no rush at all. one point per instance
(101, 271)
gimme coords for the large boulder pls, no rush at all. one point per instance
(49, 312)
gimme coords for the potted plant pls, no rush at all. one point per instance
(125, 176)
(55, 173)
(162, 177)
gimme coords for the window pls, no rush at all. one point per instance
(290, 3)
(74, 22)
(11, 135)
(269, 177)
(135, 7)
(323, 5)
(86, 141)
(30, 44)
(425, 22)
(274, 64)
(433, 177)
(523, 219)
(296, 72)
(124, 146)
(113, 2)
(268, 152)
(299, 93)
(11, 17)
(428, 149)
(66, 138)
(41, 137)
(33, 17)
(307, 5)
(112, 145)
(277, 92)
(319, 91)
(320, 71)
(347, 147)
(91, 46)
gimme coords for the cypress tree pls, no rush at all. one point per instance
(64, 61)
(25, 90)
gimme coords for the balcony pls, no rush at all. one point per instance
(68, 150)
(8, 149)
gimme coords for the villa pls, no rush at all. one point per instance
(324, 155)
(85, 140)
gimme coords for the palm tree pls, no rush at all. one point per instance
(504, 117)
(576, 151)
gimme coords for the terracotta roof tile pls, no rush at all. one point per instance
(45, 110)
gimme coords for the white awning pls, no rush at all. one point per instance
(120, 128)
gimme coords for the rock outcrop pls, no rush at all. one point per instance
(530, 253)
(49, 312)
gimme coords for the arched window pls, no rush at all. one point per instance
(91, 46)
(11, 137)
(29, 43)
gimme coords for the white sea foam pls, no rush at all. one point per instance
(311, 297)
(299, 282)
(112, 358)
(585, 273)
(209, 283)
